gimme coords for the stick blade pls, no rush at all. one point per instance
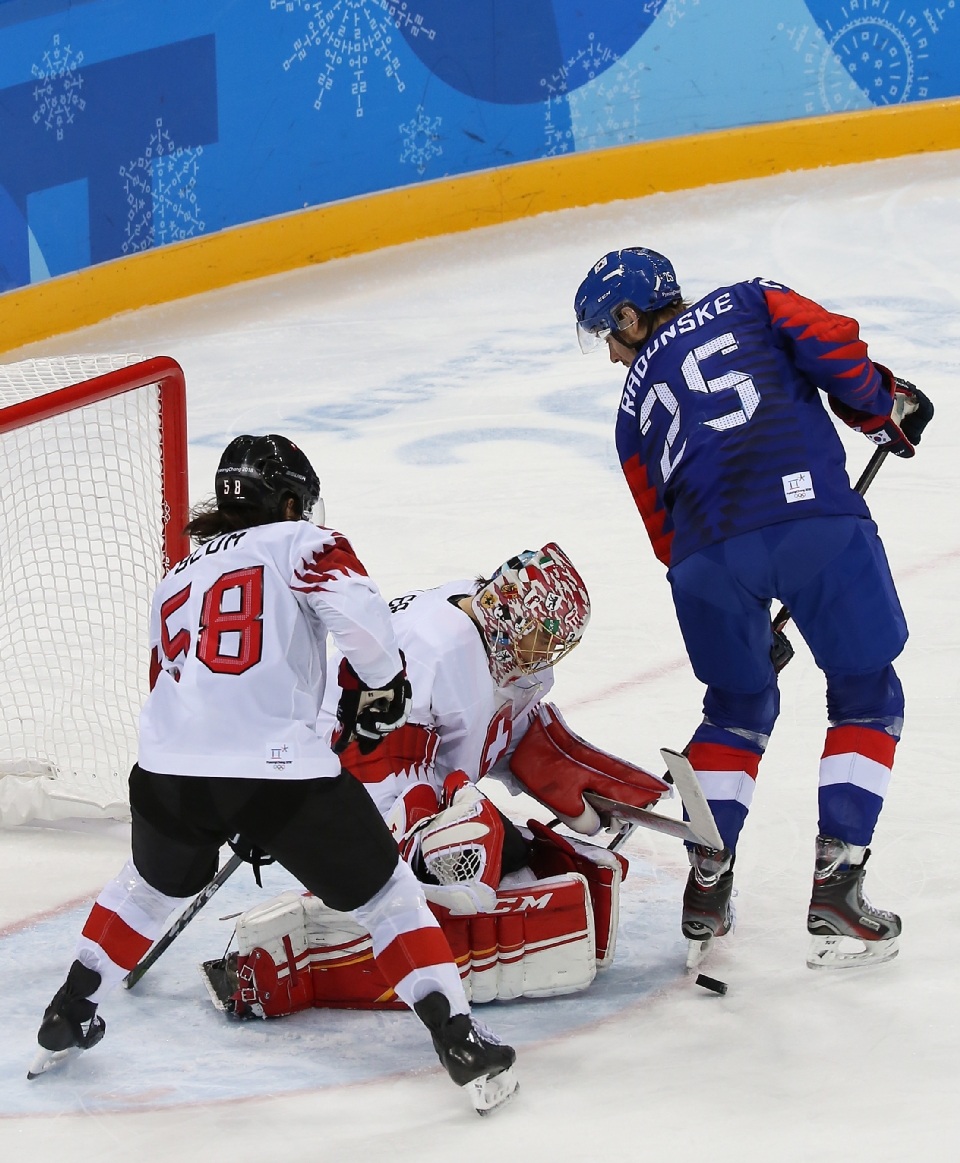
(702, 823)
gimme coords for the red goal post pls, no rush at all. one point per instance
(168, 377)
(93, 501)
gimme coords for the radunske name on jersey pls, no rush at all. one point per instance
(721, 429)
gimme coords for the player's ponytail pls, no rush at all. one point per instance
(209, 520)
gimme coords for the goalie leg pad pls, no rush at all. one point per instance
(409, 946)
(556, 767)
(603, 870)
(273, 963)
(294, 952)
(539, 941)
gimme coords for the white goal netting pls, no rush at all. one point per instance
(81, 552)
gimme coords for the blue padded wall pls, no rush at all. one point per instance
(128, 124)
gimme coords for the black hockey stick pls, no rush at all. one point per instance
(782, 651)
(182, 921)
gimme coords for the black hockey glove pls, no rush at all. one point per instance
(367, 715)
(915, 409)
(781, 651)
(901, 430)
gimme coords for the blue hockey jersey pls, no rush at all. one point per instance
(721, 429)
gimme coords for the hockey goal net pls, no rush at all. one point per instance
(93, 499)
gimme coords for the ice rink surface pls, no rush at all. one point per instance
(439, 390)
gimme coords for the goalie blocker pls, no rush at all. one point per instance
(551, 928)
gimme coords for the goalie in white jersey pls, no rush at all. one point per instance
(480, 655)
(229, 749)
(527, 912)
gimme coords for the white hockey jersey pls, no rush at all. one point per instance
(239, 629)
(459, 720)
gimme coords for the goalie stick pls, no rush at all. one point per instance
(701, 827)
(182, 921)
(781, 652)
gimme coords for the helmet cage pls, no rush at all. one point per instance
(537, 591)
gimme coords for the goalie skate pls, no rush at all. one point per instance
(220, 978)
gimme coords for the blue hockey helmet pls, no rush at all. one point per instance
(633, 277)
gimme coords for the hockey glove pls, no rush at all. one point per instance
(901, 430)
(368, 715)
(912, 410)
(781, 651)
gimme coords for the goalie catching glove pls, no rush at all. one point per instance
(899, 432)
(367, 715)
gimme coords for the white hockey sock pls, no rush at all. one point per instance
(126, 919)
(409, 946)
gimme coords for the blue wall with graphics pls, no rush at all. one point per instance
(127, 124)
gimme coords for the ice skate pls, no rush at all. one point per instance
(70, 1021)
(707, 905)
(847, 930)
(474, 1057)
(220, 978)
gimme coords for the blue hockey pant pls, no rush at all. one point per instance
(833, 576)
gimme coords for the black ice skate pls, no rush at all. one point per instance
(70, 1021)
(847, 930)
(707, 906)
(473, 1057)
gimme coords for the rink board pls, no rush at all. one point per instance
(166, 1045)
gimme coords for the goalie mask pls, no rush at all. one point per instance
(262, 471)
(532, 612)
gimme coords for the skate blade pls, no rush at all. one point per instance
(850, 952)
(47, 1059)
(490, 1092)
(697, 951)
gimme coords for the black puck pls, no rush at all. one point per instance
(712, 983)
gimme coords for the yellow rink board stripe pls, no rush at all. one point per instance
(447, 205)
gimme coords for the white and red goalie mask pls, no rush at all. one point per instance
(532, 612)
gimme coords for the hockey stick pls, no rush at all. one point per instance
(700, 828)
(182, 921)
(783, 614)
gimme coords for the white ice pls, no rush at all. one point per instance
(439, 389)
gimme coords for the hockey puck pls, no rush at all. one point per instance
(712, 984)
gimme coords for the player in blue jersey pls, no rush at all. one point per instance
(739, 476)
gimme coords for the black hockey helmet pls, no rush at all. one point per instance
(262, 471)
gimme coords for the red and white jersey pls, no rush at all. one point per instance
(459, 720)
(239, 629)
